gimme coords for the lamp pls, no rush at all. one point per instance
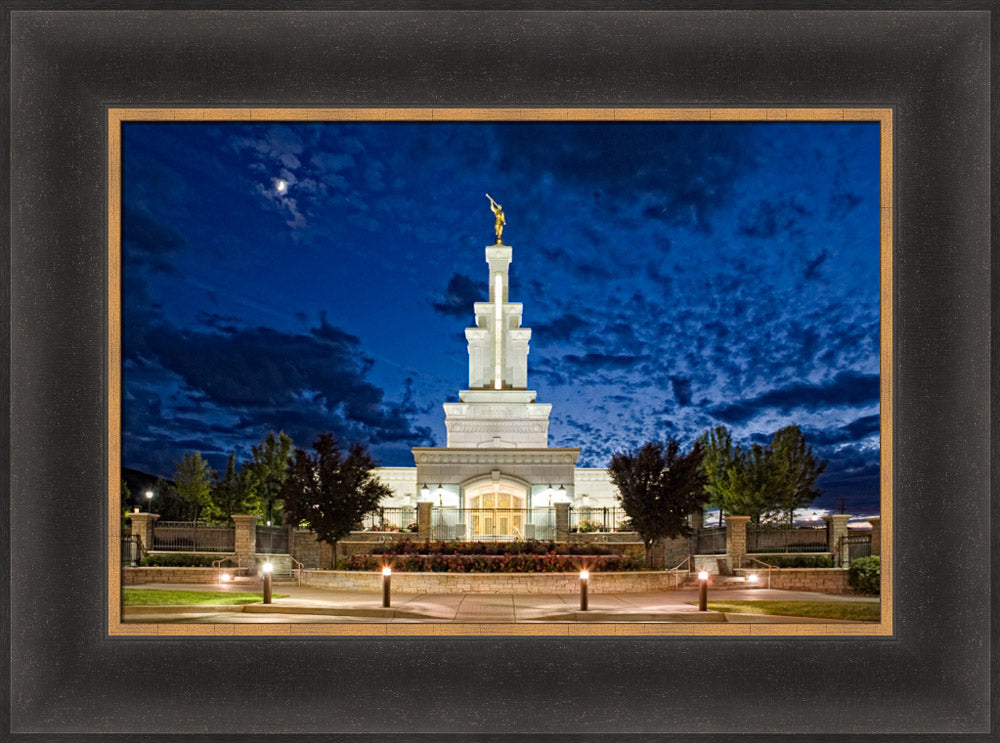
(149, 500)
(584, 579)
(267, 568)
(703, 590)
(425, 492)
(386, 579)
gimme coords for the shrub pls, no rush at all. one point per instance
(865, 575)
(797, 561)
(530, 547)
(479, 563)
(588, 525)
(179, 560)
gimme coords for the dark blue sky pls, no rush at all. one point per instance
(676, 276)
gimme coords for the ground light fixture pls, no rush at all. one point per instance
(267, 568)
(703, 590)
(752, 578)
(386, 582)
(584, 580)
(225, 578)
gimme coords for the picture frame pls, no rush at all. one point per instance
(931, 677)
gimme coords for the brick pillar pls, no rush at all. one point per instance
(836, 529)
(246, 538)
(424, 521)
(142, 525)
(736, 539)
(876, 523)
(562, 522)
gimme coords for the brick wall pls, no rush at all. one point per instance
(138, 576)
(826, 580)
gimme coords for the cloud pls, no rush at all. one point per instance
(767, 218)
(682, 390)
(149, 243)
(848, 388)
(561, 328)
(461, 294)
(603, 361)
(811, 270)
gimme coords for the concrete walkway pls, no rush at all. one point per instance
(316, 605)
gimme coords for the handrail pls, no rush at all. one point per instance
(767, 565)
(676, 570)
(297, 571)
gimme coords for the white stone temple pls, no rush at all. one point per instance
(497, 454)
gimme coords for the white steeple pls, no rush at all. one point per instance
(497, 410)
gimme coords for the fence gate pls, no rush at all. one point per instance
(131, 550)
(858, 545)
(192, 536)
(711, 541)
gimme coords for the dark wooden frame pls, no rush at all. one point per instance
(930, 679)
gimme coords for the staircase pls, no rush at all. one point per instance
(719, 582)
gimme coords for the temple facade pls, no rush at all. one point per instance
(497, 477)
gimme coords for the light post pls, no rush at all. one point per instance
(266, 568)
(386, 580)
(703, 590)
(584, 579)
(149, 501)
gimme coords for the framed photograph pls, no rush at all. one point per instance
(134, 130)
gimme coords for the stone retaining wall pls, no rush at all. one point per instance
(138, 576)
(520, 583)
(825, 580)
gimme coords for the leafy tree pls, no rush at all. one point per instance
(268, 468)
(193, 483)
(233, 493)
(760, 482)
(329, 491)
(658, 487)
(795, 470)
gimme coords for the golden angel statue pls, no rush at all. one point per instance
(500, 220)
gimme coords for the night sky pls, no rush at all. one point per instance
(676, 276)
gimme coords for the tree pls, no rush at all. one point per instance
(760, 482)
(233, 493)
(658, 487)
(329, 491)
(268, 468)
(193, 483)
(795, 470)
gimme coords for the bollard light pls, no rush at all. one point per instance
(267, 568)
(703, 590)
(584, 580)
(386, 580)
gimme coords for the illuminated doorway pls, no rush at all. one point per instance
(496, 512)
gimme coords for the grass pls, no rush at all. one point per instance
(158, 597)
(858, 611)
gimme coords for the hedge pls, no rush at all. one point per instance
(517, 563)
(865, 575)
(797, 561)
(180, 560)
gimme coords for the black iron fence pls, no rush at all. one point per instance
(391, 519)
(710, 541)
(772, 538)
(858, 545)
(131, 546)
(193, 536)
(272, 540)
(586, 520)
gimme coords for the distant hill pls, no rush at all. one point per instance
(138, 481)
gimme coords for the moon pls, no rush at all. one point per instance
(281, 185)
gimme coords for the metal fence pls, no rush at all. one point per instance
(131, 550)
(272, 540)
(858, 545)
(606, 519)
(493, 524)
(710, 541)
(390, 519)
(773, 538)
(192, 536)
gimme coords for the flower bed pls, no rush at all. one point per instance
(484, 563)
(489, 548)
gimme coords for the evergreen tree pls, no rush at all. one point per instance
(268, 468)
(193, 483)
(232, 493)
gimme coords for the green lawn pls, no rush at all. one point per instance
(157, 597)
(860, 611)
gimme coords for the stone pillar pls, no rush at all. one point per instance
(876, 523)
(736, 539)
(836, 530)
(246, 538)
(424, 521)
(562, 522)
(142, 526)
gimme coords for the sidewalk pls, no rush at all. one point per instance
(306, 604)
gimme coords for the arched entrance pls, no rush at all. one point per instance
(495, 511)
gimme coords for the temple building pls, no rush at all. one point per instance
(497, 477)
